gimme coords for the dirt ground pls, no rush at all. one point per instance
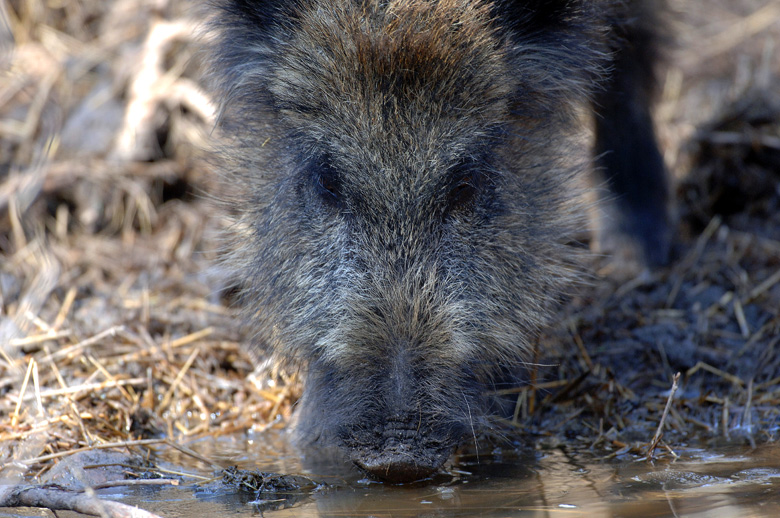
(113, 331)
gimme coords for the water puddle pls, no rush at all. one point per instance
(721, 482)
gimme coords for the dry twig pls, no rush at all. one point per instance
(57, 499)
(659, 431)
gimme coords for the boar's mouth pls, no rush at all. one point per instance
(401, 464)
(396, 452)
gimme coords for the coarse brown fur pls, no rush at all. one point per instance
(403, 174)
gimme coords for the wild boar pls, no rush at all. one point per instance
(404, 176)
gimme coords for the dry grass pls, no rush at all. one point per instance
(111, 327)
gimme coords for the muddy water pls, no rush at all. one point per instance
(714, 482)
(723, 481)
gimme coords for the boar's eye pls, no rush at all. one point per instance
(326, 181)
(464, 187)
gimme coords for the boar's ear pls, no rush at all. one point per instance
(243, 24)
(558, 47)
(246, 34)
(259, 15)
(542, 15)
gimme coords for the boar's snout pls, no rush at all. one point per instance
(387, 414)
(402, 452)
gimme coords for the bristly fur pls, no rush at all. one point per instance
(403, 177)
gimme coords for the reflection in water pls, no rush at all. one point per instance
(734, 482)
(722, 483)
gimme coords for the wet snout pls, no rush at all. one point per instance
(410, 441)
(399, 462)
